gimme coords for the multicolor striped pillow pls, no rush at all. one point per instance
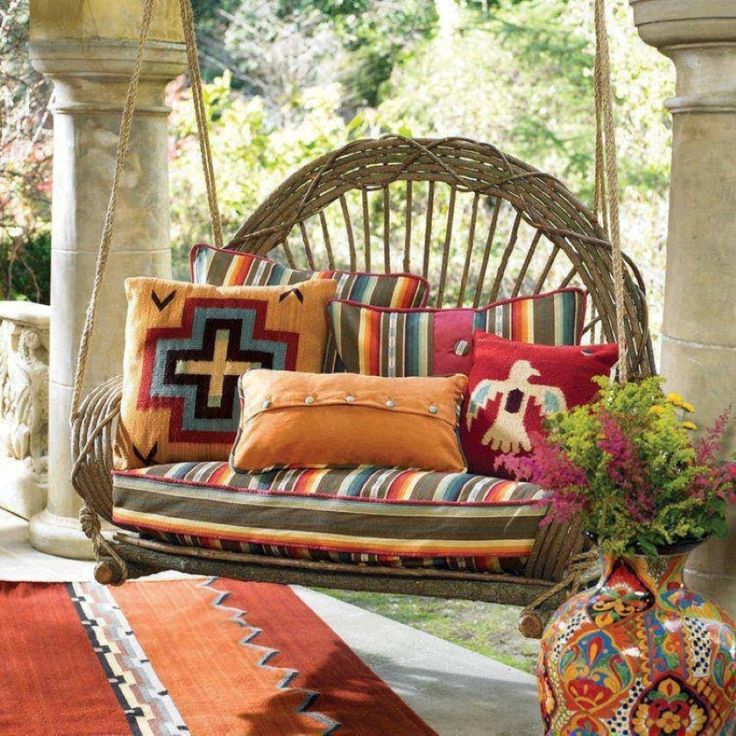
(435, 342)
(223, 267)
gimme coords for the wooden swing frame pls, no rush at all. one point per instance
(560, 561)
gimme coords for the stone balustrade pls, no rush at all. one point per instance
(24, 412)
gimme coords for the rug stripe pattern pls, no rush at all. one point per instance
(145, 701)
(51, 681)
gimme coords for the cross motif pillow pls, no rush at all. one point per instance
(186, 345)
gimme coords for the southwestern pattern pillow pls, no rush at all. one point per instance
(210, 265)
(514, 386)
(435, 342)
(186, 345)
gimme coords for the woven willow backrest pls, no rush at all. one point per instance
(478, 224)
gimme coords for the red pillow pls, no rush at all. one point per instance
(512, 386)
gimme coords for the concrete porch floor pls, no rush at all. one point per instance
(456, 691)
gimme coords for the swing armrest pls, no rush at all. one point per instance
(93, 435)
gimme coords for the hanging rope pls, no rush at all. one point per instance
(126, 122)
(103, 252)
(200, 112)
(606, 175)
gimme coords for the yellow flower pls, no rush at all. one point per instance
(669, 722)
(657, 409)
(688, 407)
(675, 399)
(689, 425)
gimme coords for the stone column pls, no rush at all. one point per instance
(86, 47)
(699, 333)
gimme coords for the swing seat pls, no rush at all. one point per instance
(479, 225)
(364, 515)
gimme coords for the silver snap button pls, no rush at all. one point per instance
(462, 348)
(350, 398)
(432, 409)
(390, 403)
(309, 400)
(266, 403)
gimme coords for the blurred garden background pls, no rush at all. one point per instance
(288, 80)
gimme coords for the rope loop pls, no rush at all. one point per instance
(90, 523)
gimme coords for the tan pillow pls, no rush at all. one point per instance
(305, 420)
(186, 345)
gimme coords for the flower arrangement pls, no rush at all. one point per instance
(628, 465)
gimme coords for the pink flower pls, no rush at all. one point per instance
(549, 467)
(626, 469)
(707, 447)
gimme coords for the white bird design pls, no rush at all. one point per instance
(508, 433)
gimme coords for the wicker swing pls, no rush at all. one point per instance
(502, 227)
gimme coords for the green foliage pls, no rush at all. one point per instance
(25, 269)
(272, 49)
(252, 152)
(25, 168)
(636, 477)
(378, 36)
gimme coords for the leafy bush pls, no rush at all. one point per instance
(252, 153)
(25, 269)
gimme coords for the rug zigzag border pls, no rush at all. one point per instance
(237, 616)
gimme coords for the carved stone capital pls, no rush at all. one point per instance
(92, 76)
(700, 38)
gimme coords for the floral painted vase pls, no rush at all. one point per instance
(639, 655)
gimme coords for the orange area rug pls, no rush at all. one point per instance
(183, 657)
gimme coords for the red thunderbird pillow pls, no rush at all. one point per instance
(513, 386)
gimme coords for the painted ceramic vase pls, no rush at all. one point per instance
(638, 655)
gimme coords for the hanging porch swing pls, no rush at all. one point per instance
(482, 225)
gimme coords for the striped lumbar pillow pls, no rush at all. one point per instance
(224, 267)
(431, 342)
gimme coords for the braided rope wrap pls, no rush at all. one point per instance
(93, 436)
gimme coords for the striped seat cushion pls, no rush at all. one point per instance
(364, 515)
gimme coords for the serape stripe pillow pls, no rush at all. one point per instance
(427, 342)
(223, 267)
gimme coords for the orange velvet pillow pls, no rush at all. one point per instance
(309, 420)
